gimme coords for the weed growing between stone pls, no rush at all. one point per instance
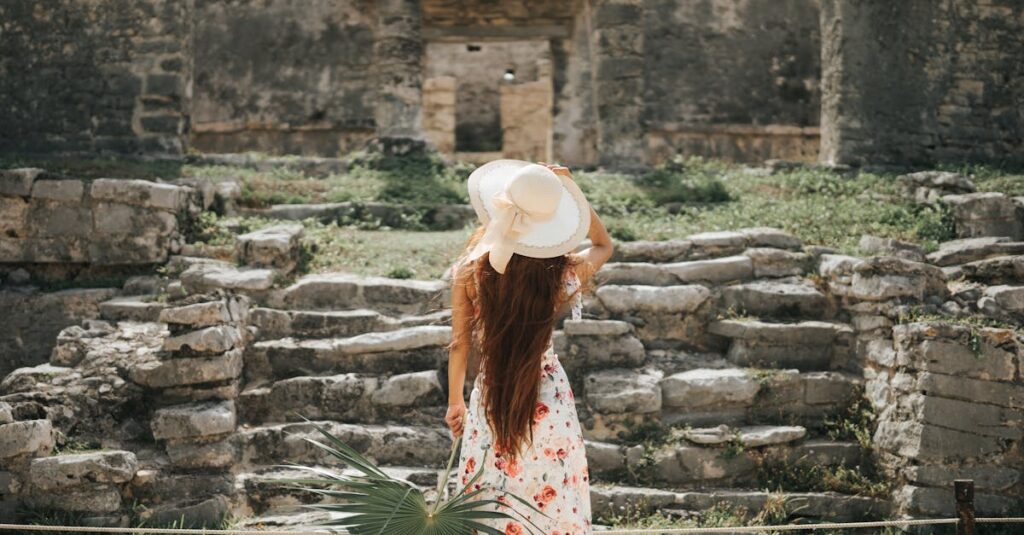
(856, 422)
(720, 515)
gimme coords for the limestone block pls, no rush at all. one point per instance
(216, 339)
(585, 327)
(18, 182)
(634, 273)
(688, 464)
(204, 513)
(837, 267)
(13, 217)
(194, 420)
(231, 310)
(929, 443)
(771, 237)
(604, 457)
(955, 252)
(48, 219)
(666, 299)
(82, 469)
(606, 351)
(191, 455)
(409, 390)
(768, 435)
(140, 193)
(652, 251)
(710, 435)
(726, 240)
(624, 391)
(964, 388)
(94, 499)
(716, 270)
(6, 414)
(935, 502)
(956, 358)
(769, 262)
(875, 245)
(28, 437)
(828, 388)
(883, 278)
(986, 477)
(201, 278)
(985, 214)
(1004, 297)
(274, 247)
(58, 190)
(188, 371)
(703, 388)
(118, 218)
(773, 298)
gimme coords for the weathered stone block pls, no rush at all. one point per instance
(190, 455)
(985, 477)
(188, 371)
(13, 217)
(408, 390)
(771, 299)
(665, 299)
(202, 314)
(624, 391)
(28, 437)
(703, 388)
(769, 262)
(216, 339)
(686, 464)
(595, 328)
(275, 247)
(117, 218)
(18, 182)
(716, 270)
(6, 416)
(604, 457)
(52, 219)
(82, 469)
(97, 499)
(201, 278)
(652, 251)
(140, 193)
(985, 214)
(58, 190)
(194, 420)
(929, 443)
(768, 435)
(635, 273)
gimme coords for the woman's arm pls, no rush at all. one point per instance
(458, 351)
(601, 248)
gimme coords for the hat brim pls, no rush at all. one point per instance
(559, 235)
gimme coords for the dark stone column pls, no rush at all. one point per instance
(398, 55)
(618, 44)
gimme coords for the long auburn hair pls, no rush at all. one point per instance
(515, 316)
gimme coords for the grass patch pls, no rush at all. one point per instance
(720, 515)
(854, 422)
(862, 480)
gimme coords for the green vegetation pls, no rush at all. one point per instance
(720, 515)
(863, 480)
(855, 422)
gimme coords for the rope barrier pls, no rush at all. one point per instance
(642, 531)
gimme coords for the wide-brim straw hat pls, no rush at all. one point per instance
(527, 209)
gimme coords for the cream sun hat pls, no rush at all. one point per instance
(527, 209)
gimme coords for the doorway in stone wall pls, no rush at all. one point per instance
(489, 99)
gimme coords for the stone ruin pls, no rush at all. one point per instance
(178, 396)
(618, 83)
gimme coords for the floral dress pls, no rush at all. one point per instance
(551, 473)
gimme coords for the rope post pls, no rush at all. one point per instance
(963, 489)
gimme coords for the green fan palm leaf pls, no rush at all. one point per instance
(372, 502)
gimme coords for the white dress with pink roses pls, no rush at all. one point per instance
(551, 473)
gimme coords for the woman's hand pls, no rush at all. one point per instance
(559, 170)
(455, 418)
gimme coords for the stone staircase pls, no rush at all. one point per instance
(729, 353)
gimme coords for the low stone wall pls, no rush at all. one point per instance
(48, 219)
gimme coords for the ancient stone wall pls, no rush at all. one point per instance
(732, 79)
(274, 78)
(106, 76)
(106, 222)
(922, 81)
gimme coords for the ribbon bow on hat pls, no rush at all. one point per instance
(538, 196)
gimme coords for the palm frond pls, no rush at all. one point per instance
(375, 503)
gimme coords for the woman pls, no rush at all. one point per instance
(509, 288)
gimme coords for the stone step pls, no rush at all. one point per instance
(345, 291)
(132, 308)
(805, 345)
(273, 323)
(761, 262)
(409, 349)
(619, 398)
(265, 491)
(414, 397)
(609, 500)
(783, 298)
(704, 245)
(290, 519)
(399, 445)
